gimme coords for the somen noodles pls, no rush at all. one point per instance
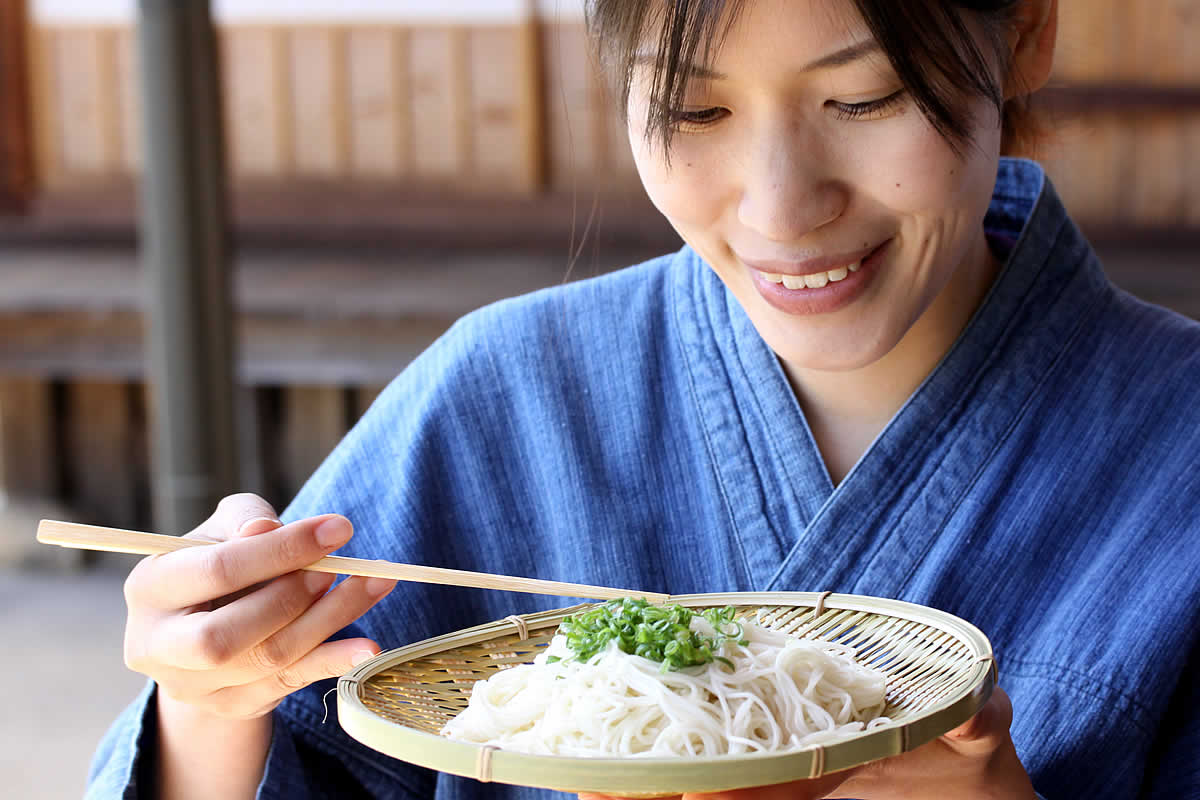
(704, 685)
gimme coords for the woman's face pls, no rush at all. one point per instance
(804, 175)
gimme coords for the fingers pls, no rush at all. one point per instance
(207, 640)
(242, 514)
(276, 655)
(797, 790)
(199, 665)
(987, 729)
(189, 577)
(330, 660)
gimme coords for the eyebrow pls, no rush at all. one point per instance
(839, 58)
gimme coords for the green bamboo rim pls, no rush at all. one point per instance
(940, 669)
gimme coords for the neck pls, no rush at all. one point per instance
(846, 410)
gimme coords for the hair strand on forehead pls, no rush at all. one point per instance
(945, 52)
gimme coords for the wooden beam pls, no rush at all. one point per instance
(1119, 98)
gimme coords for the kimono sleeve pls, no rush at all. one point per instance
(125, 752)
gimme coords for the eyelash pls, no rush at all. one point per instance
(852, 111)
(845, 111)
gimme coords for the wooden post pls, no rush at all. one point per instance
(16, 135)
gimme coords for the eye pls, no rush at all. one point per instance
(871, 108)
(682, 119)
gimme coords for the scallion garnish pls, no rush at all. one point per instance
(659, 633)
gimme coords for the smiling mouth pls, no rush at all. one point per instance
(813, 280)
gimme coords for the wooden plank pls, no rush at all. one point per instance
(16, 155)
(27, 450)
(1191, 169)
(283, 99)
(463, 100)
(100, 449)
(1157, 192)
(434, 112)
(250, 424)
(128, 98)
(531, 102)
(1090, 160)
(374, 113)
(1161, 34)
(363, 397)
(315, 74)
(619, 165)
(315, 418)
(1091, 38)
(572, 142)
(494, 122)
(42, 106)
(78, 95)
(402, 99)
(250, 64)
(108, 105)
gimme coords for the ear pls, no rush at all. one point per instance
(1031, 40)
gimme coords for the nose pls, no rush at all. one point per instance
(788, 187)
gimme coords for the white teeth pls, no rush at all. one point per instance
(815, 280)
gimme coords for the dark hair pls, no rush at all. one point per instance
(928, 42)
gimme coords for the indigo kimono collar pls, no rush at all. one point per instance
(800, 533)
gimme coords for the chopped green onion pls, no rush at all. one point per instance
(659, 633)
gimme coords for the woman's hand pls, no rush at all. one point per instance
(227, 631)
(975, 760)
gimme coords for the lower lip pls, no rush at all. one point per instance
(830, 297)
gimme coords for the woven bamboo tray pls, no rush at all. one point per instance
(940, 671)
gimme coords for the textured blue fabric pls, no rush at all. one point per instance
(634, 430)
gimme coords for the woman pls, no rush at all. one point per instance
(885, 363)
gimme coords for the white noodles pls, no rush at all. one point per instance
(781, 694)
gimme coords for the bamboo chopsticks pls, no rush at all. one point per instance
(115, 540)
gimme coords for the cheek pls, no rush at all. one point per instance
(919, 172)
(685, 192)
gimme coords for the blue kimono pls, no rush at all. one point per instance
(635, 430)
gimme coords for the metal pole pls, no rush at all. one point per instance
(185, 262)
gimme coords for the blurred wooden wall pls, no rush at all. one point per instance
(509, 109)
(516, 107)
(464, 106)
(1126, 150)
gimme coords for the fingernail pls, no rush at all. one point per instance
(378, 587)
(333, 532)
(361, 657)
(264, 524)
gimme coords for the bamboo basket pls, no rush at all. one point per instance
(940, 670)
